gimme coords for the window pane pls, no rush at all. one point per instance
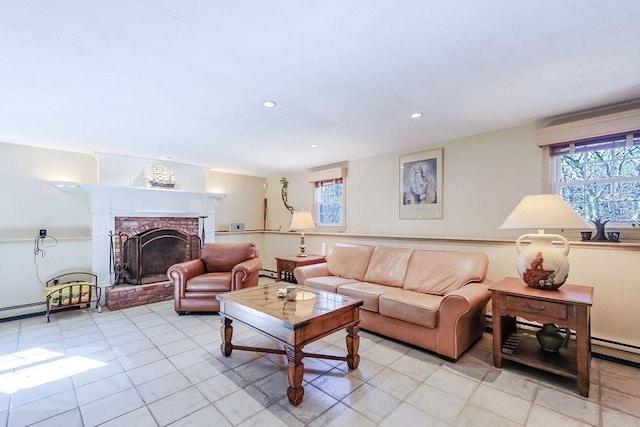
(601, 183)
(329, 203)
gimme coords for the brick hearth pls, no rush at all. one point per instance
(124, 296)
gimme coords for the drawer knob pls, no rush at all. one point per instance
(536, 309)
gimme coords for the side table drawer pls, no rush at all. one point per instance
(530, 305)
(286, 265)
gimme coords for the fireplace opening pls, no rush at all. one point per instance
(149, 254)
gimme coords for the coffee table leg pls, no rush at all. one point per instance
(295, 372)
(226, 332)
(353, 344)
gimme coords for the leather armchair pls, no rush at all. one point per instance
(222, 267)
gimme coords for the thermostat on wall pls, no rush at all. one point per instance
(236, 227)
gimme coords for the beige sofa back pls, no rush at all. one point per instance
(388, 266)
(349, 261)
(441, 272)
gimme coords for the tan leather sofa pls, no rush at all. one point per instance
(432, 299)
(222, 267)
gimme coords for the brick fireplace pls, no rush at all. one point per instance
(144, 248)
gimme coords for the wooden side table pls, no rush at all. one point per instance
(286, 265)
(568, 306)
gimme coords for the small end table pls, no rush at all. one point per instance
(567, 306)
(286, 265)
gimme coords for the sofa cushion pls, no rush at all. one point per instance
(210, 282)
(225, 256)
(441, 272)
(367, 292)
(388, 266)
(349, 261)
(413, 307)
(328, 283)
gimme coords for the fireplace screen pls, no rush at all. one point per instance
(148, 255)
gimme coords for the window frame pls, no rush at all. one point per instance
(316, 206)
(604, 142)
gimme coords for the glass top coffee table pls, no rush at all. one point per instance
(311, 316)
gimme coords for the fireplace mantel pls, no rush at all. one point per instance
(109, 202)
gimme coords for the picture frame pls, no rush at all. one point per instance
(421, 185)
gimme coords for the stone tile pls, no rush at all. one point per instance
(452, 382)
(374, 403)
(544, 417)
(501, 403)
(407, 415)
(366, 370)
(272, 416)
(221, 386)
(167, 337)
(396, 384)
(257, 369)
(436, 403)
(617, 381)
(178, 405)
(71, 418)
(207, 416)
(37, 392)
(341, 415)
(238, 406)
(140, 358)
(111, 368)
(177, 347)
(475, 416)
(383, 354)
(190, 357)
(132, 347)
(43, 409)
(111, 407)
(314, 403)
(335, 383)
(414, 367)
(204, 370)
(512, 384)
(571, 405)
(620, 401)
(103, 388)
(163, 387)
(614, 418)
(151, 371)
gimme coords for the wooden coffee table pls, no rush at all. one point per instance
(313, 315)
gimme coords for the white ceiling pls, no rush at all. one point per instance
(187, 79)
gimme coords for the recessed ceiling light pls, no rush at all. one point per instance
(416, 115)
(314, 145)
(269, 104)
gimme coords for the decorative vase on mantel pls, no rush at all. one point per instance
(600, 234)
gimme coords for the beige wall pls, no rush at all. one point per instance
(485, 176)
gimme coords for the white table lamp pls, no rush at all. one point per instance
(302, 221)
(541, 264)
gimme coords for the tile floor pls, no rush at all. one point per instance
(147, 366)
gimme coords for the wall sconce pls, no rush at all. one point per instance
(65, 186)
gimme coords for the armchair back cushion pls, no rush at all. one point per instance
(441, 272)
(218, 257)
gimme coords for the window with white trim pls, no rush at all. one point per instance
(329, 204)
(600, 177)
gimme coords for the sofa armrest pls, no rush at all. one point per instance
(246, 274)
(308, 271)
(181, 272)
(461, 318)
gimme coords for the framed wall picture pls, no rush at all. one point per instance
(421, 185)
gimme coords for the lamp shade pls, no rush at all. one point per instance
(542, 211)
(302, 220)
